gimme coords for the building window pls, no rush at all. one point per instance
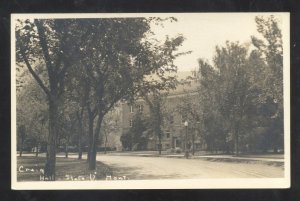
(183, 118)
(131, 109)
(171, 119)
(141, 108)
(130, 123)
(167, 134)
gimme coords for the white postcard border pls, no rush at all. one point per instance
(249, 183)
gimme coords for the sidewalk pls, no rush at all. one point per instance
(246, 159)
(243, 158)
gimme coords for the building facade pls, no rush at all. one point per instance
(175, 134)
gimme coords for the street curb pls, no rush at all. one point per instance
(229, 160)
(246, 160)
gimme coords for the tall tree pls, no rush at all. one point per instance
(231, 62)
(233, 95)
(117, 56)
(242, 93)
(155, 102)
(48, 43)
(213, 128)
(270, 46)
(155, 87)
(191, 107)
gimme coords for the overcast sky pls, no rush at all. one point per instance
(204, 31)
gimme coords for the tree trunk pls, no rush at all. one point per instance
(131, 142)
(79, 139)
(79, 148)
(236, 142)
(91, 130)
(51, 159)
(105, 142)
(37, 150)
(159, 144)
(93, 154)
(193, 144)
(66, 149)
(22, 131)
(47, 151)
(21, 150)
(158, 132)
(79, 117)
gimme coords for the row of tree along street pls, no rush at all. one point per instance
(240, 100)
(239, 104)
(84, 67)
(71, 73)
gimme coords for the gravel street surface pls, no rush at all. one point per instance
(136, 167)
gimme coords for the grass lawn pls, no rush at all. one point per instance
(29, 169)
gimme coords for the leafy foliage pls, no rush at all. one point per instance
(136, 138)
(240, 95)
(91, 64)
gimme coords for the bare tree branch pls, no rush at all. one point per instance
(43, 43)
(36, 77)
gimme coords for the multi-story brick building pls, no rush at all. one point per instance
(173, 127)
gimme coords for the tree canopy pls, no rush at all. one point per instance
(106, 59)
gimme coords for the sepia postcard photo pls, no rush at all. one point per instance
(150, 101)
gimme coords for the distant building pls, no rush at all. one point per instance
(173, 129)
